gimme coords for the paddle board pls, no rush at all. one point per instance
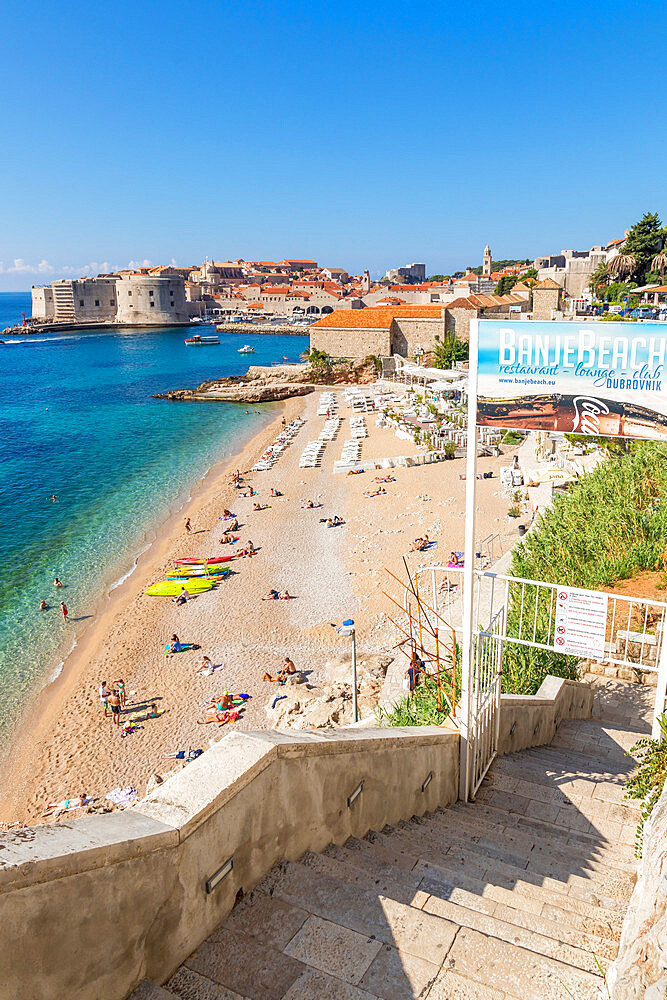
(169, 588)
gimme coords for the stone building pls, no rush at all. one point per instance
(83, 300)
(410, 274)
(571, 269)
(382, 331)
(127, 298)
(145, 300)
(547, 299)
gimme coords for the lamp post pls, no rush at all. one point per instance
(347, 628)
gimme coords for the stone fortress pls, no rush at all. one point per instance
(127, 299)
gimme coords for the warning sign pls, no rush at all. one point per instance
(581, 622)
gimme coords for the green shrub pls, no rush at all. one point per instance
(647, 782)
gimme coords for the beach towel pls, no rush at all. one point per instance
(431, 545)
(122, 796)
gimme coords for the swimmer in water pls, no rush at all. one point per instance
(57, 583)
(53, 498)
(43, 606)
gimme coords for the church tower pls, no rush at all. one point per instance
(487, 262)
(366, 283)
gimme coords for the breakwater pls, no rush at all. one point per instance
(293, 331)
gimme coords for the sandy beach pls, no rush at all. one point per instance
(65, 746)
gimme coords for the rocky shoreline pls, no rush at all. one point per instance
(272, 384)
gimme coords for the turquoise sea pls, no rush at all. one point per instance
(77, 420)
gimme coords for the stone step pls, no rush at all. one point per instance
(149, 991)
(560, 835)
(246, 966)
(469, 890)
(528, 847)
(546, 937)
(188, 985)
(589, 797)
(490, 885)
(488, 961)
(607, 889)
(563, 816)
(417, 934)
(505, 967)
(467, 818)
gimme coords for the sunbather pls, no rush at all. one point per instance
(66, 805)
(188, 754)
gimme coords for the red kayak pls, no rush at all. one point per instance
(205, 562)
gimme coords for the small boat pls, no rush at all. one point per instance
(246, 349)
(198, 341)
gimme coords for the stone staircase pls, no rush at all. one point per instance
(517, 896)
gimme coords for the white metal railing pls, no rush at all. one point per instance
(634, 629)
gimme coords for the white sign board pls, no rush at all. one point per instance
(581, 622)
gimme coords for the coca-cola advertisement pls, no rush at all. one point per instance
(603, 378)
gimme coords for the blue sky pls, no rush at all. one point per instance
(360, 135)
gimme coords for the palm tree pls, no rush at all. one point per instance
(621, 266)
(599, 277)
(659, 263)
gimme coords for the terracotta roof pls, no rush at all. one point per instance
(549, 283)
(256, 305)
(614, 243)
(377, 317)
(522, 285)
(461, 304)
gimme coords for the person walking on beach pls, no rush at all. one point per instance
(104, 698)
(114, 704)
(65, 612)
(188, 529)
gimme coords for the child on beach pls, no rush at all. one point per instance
(64, 611)
(188, 529)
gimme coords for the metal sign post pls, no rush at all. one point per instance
(469, 566)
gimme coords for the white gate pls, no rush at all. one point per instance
(484, 701)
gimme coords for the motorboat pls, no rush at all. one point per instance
(198, 341)
(246, 349)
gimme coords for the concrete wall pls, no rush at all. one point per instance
(346, 343)
(90, 907)
(531, 720)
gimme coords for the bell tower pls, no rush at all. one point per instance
(366, 283)
(487, 261)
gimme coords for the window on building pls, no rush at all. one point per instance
(171, 304)
(112, 302)
(152, 305)
(151, 293)
(97, 302)
(81, 302)
(129, 293)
